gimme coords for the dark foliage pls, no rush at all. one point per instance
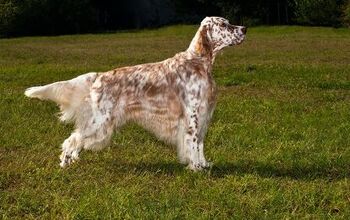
(52, 17)
(319, 12)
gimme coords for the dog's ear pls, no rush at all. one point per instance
(203, 46)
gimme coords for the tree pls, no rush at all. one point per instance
(346, 14)
(318, 12)
(8, 13)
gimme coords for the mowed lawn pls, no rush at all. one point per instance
(279, 139)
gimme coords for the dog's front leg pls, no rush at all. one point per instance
(201, 128)
(191, 136)
(204, 119)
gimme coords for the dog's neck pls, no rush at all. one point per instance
(200, 46)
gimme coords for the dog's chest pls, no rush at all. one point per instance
(198, 88)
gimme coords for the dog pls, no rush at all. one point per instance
(174, 99)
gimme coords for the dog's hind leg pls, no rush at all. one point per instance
(71, 148)
(94, 128)
(88, 139)
(99, 129)
(94, 137)
(97, 137)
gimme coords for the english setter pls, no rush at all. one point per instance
(174, 98)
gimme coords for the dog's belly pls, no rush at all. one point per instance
(161, 117)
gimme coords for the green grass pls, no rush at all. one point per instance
(279, 140)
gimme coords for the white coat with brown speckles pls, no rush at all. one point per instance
(174, 99)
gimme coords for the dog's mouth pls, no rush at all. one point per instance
(241, 38)
(238, 40)
(241, 35)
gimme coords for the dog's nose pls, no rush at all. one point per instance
(244, 30)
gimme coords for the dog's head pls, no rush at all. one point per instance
(218, 33)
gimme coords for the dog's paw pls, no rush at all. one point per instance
(194, 167)
(206, 164)
(199, 166)
(68, 157)
(65, 160)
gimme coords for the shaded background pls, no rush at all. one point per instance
(53, 17)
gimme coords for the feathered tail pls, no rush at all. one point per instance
(72, 96)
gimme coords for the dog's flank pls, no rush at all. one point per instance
(174, 98)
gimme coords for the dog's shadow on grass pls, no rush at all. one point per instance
(266, 170)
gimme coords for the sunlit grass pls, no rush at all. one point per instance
(279, 138)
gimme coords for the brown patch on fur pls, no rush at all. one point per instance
(151, 90)
(203, 45)
(174, 105)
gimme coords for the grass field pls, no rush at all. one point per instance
(279, 140)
